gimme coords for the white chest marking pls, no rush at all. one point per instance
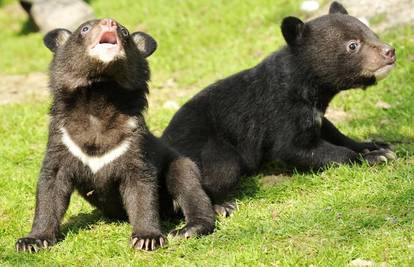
(132, 123)
(95, 163)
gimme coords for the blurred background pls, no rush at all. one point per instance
(199, 41)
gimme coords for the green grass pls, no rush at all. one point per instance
(321, 219)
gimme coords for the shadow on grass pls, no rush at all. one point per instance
(269, 175)
(85, 221)
(388, 132)
(82, 221)
(28, 27)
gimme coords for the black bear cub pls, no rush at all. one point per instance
(100, 145)
(275, 110)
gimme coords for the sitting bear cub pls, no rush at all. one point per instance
(275, 110)
(100, 145)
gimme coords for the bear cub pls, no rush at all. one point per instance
(275, 110)
(99, 143)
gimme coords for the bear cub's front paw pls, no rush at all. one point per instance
(147, 242)
(29, 244)
(372, 146)
(379, 156)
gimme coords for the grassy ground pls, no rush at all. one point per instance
(320, 219)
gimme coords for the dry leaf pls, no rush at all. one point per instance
(383, 105)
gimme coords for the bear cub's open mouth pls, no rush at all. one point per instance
(108, 39)
(107, 46)
(383, 71)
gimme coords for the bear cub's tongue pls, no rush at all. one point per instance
(108, 39)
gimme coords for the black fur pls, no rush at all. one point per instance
(275, 110)
(100, 105)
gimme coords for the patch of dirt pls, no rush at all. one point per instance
(34, 87)
(274, 180)
(23, 88)
(337, 115)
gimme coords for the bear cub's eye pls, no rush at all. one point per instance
(85, 29)
(353, 46)
(124, 32)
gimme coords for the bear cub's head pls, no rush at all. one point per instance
(337, 50)
(99, 50)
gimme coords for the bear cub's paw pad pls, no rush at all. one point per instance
(225, 209)
(379, 156)
(32, 245)
(147, 243)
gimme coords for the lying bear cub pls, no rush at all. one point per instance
(100, 145)
(275, 110)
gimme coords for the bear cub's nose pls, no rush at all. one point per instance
(108, 24)
(389, 53)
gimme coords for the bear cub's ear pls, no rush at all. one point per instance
(56, 38)
(292, 30)
(337, 8)
(145, 43)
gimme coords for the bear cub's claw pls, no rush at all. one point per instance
(28, 244)
(225, 209)
(147, 243)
